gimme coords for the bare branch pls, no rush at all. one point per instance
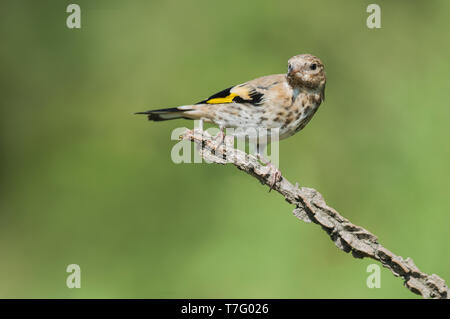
(311, 207)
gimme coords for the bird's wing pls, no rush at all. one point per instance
(242, 93)
(252, 92)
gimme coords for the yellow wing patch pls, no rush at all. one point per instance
(218, 100)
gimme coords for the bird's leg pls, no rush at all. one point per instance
(199, 127)
(274, 171)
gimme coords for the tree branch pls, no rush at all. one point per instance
(311, 207)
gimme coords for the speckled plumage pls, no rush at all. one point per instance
(282, 101)
(271, 106)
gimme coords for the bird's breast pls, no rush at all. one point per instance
(303, 109)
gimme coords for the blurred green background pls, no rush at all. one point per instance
(84, 181)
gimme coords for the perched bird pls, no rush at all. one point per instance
(282, 102)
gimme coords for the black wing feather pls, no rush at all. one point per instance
(223, 93)
(255, 97)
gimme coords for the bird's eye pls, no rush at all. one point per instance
(290, 68)
(313, 66)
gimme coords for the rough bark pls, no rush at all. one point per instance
(311, 207)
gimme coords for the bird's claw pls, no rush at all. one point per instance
(276, 176)
(274, 172)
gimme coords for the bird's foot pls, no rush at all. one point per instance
(273, 170)
(220, 138)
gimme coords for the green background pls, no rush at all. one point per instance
(84, 181)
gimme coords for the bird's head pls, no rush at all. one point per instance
(306, 70)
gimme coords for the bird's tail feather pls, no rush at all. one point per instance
(166, 114)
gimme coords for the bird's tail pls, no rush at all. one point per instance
(167, 114)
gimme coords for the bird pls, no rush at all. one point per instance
(284, 103)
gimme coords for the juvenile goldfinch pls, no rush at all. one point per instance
(285, 102)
